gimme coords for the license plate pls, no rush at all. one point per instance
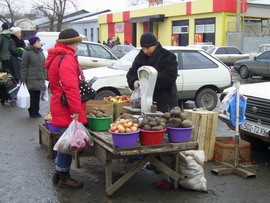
(256, 129)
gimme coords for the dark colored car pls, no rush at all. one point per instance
(258, 66)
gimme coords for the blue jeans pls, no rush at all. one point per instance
(63, 161)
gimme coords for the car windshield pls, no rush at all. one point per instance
(126, 61)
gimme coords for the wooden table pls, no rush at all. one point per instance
(106, 152)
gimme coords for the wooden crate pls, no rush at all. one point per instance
(48, 140)
(204, 131)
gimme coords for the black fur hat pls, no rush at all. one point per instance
(69, 36)
(148, 40)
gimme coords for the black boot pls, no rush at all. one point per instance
(56, 177)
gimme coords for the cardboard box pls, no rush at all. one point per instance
(118, 109)
(224, 150)
(106, 105)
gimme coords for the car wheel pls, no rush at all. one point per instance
(243, 72)
(104, 93)
(206, 98)
(255, 143)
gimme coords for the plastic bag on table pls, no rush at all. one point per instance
(81, 139)
(44, 95)
(135, 98)
(23, 97)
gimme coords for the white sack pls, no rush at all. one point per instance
(191, 170)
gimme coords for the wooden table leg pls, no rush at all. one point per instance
(77, 160)
(113, 187)
(108, 171)
(166, 169)
(176, 169)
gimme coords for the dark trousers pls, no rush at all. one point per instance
(34, 102)
(5, 66)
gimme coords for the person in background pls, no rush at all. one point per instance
(153, 54)
(16, 49)
(63, 74)
(33, 74)
(4, 44)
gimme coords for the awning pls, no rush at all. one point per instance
(153, 18)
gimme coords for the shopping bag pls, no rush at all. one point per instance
(74, 139)
(23, 97)
(81, 139)
(44, 95)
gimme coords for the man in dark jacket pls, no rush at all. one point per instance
(4, 44)
(153, 54)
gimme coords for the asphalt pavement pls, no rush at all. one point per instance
(26, 173)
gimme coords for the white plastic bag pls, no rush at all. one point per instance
(81, 139)
(191, 170)
(23, 97)
(73, 139)
(44, 95)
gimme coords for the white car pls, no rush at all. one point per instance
(227, 54)
(200, 76)
(256, 127)
(90, 54)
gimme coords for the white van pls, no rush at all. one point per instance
(47, 37)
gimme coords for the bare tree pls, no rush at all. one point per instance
(9, 11)
(54, 10)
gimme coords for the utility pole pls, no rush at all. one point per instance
(238, 10)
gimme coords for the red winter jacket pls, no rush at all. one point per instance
(68, 74)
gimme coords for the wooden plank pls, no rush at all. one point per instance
(111, 189)
(202, 130)
(213, 137)
(108, 173)
(208, 133)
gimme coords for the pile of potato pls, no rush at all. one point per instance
(98, 113)
(177, 119)
(152, 123)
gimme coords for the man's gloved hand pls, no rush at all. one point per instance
(136, 84)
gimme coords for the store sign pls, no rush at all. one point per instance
(119, 27)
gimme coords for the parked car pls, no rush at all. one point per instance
(258, 66)
(200, 76)
(262, 48)
(201, 46)
(120, 50)
(256, 128)
(227, 54)
(90, 54)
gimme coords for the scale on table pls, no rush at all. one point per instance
(147, 76)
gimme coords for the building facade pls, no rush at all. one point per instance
(189, 22)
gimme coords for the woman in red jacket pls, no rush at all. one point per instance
(63, 75)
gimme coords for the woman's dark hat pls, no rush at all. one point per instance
(33, 39)
(5, 26)
(148, 40)
(69, 36)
